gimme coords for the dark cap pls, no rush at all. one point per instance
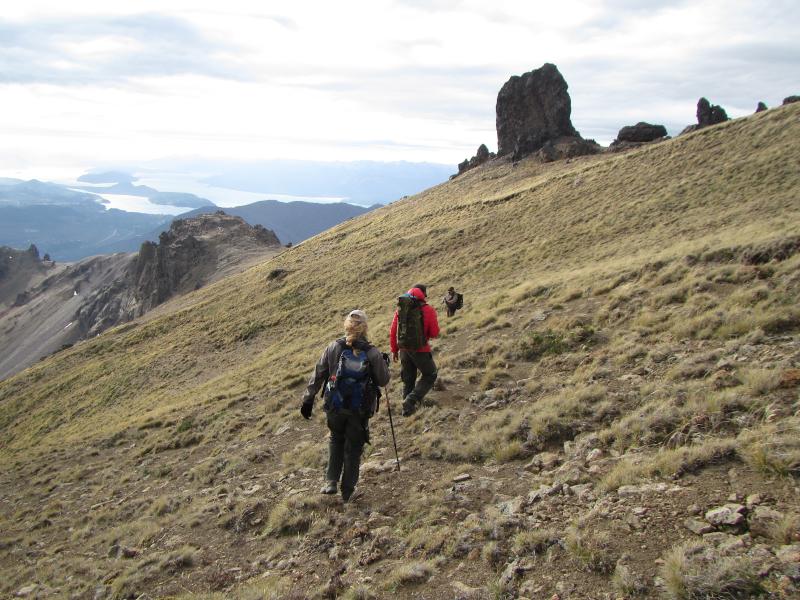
(422, 288)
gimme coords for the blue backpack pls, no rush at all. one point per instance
(351, 387)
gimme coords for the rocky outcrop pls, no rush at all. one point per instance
(481, 156)
(791, 99)
(534, 109)
(184, 259)
(761, 107)
(632, 136)
(707, 114)
(46, 308)
(641, 132)
(19, 270)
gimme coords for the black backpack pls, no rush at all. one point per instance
(410, 329)
(459, 301)
(352, 387)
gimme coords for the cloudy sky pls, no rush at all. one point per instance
(86, 81)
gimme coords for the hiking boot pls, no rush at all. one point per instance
(350, 495)
(328, 488)
(409, 408)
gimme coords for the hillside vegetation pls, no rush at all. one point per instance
(627, 359)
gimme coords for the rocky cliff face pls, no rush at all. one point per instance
(185, 258)
(533, 114)
(96, 293)
(19, 270)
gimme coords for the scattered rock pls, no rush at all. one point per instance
(694, 509)
(762, 519)
(543, 492)
(508, 578)
(465, 592)
(729, 514)
(594, 455)
(697, 526)
(462, 477)
(379, 466)
(512, 507)
(753, 500)
(127, 552)
(481, 156)
(581, 490)
(648, 488)
(543, 461)
(101, 592)
(26, 591)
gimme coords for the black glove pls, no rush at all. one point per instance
(305, 409)
(385, 358)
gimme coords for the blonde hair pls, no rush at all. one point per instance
(354, 329)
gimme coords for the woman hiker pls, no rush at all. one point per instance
(354, 369)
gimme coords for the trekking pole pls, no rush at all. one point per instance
(391, 426)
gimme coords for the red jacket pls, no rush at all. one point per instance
(430, 324)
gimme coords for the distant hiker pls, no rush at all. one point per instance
(414, 323)
(452, 301)
(354, 369)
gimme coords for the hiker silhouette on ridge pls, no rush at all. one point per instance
(354, 371)
(414, 323)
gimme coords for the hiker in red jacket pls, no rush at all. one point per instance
(415, 357)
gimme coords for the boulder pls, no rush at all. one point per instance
(709, 114)
(729, 514)
(761, 107)
(697, 526)
(481, 156)
(641, 132)
(763, 519)
(791, 99)
(533, 109)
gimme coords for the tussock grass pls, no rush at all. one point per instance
(409, 574)
(692, 570)
(293, 515)
(590, 549)
(668, 462)
(534, 542)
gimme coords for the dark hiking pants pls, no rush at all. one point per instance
(349, 433)
(411, 362)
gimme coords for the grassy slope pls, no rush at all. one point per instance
(489, 231)
(498, 233)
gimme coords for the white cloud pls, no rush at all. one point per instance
(380, 79)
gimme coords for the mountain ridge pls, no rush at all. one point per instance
(75, 302)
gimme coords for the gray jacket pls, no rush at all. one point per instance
(329, 361)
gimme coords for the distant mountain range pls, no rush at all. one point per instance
(292, 222)
(360, 182)
(153, 195)
(71, 225)
(68, 224)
